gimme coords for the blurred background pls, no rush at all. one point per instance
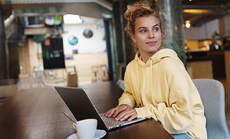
(52, 41)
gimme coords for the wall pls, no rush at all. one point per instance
(28, 57)
(91, 51)
(203, 32)
(206, 30)
(85, 45)
(227, 26)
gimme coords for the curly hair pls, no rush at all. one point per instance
(141, 9)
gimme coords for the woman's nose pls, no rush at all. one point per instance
(151, 35)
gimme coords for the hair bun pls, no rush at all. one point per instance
(129, 12)
(136, 7)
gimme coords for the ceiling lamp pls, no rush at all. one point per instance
(196, 11)
(72, 19)
(187, 24)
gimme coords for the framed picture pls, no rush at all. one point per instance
(75, 51)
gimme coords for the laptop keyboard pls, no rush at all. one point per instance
(111, 121)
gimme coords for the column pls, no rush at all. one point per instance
(14, 67)
(113, 52)
(172, 22)
(110, 48)
(3, 48)
(118, 31)
(127, 41)
(119, 48)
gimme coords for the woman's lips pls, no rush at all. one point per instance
(151, 42)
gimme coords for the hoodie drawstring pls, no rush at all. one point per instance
(138, 97)
(138, 81)
(151, 63)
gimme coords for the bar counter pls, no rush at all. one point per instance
(211, 64)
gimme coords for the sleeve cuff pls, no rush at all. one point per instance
(143, 113)
(126, 102)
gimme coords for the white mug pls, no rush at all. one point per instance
(86, 129)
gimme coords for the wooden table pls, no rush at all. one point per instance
(36, 113)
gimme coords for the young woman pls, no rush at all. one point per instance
(156, 82)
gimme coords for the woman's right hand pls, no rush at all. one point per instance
(122, 112)
(115, 111)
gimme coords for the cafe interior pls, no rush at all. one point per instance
(82, 43)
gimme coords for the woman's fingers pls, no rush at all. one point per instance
(115, 111)
(122, 113)
(110, 112)
(120, 109)
(128, 114)
(132, 117)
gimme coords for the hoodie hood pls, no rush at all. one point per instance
(158, 56)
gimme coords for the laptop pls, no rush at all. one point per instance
(82, 107)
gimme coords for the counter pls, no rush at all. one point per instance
(211, 64)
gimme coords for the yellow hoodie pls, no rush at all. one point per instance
(162, 89)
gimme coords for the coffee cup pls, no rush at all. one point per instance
(86, 129)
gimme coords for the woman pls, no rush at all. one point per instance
(156, 82)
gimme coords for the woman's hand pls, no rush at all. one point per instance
(122, 112)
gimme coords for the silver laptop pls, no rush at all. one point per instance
(82, 107)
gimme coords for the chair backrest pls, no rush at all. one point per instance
(213, 98)
(121, 84)
(72, 80)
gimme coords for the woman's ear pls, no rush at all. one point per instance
(133, 38)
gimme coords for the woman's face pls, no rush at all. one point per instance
(147, 34)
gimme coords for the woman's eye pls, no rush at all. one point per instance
(143, 31)
(155, 29)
